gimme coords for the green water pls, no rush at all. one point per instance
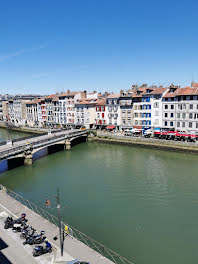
(142, 203)
(10, 134)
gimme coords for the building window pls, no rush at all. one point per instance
(191, 106)
(165, 114)
(178, 115)
(165, 123)
(172, 106)
(190, 124)
(156, 113)
(172, 114)
(183, 115)
(190, 115)
(178, 124)
(156, 105)
(196, 124)
(136, 122)
(171, 123)
(166, 106)
(183, 124)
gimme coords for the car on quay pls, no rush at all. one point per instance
(77, 261)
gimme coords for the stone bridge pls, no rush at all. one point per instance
(24, 149)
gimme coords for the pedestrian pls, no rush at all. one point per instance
(48, 204)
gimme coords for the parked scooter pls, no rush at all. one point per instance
(38, 239)
(8, 222)
(19, 227)
(40, 250)
(27, 232)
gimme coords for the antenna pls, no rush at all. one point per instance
(192, 80)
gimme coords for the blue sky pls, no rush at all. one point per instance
(51, 46)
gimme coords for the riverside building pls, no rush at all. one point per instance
(113, 111)
(171, 108)
(85, 112)
(67, 109)
(180, 109)
(101, 114)
(126, 109)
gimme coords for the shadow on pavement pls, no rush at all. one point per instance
(3, 259)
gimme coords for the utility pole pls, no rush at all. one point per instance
(59, 220)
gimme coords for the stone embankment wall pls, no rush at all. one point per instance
(145, 142)
(23, 129)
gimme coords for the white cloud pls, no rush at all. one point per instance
(19, 52)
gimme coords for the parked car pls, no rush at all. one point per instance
(77, 261)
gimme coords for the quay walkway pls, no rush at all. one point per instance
(76, 245)
(25, 148)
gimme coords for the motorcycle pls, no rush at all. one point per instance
(27, 232)
(19, 227)
(8, 222)
(40, 250)
(35, 239)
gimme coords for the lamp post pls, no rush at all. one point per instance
(59, 220)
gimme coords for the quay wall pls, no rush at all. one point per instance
(23, 129)
(147, 143)
(72, 246)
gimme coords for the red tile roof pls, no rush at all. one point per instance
(101, 102)
(34, 102)
(158, 90)
(68, 94)
(50, 96)
(195, 85)
(86, 101)
(113, 96)
(182, 91)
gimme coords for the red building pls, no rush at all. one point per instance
(101, 114)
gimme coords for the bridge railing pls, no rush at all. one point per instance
(90, 242)
(63, 135)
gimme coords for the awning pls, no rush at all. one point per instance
(110, 127)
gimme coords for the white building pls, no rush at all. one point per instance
(17, 112)
(113, 110)
(85, 112)
(67, 103)
(180, 109)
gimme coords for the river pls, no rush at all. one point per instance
(142, 203)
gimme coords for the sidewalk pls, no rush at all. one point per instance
(73, 249)
(15, 252)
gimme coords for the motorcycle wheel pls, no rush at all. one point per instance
(24, 243)
(34, 254)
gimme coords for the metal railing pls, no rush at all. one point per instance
(40, 143)
(90, 242)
